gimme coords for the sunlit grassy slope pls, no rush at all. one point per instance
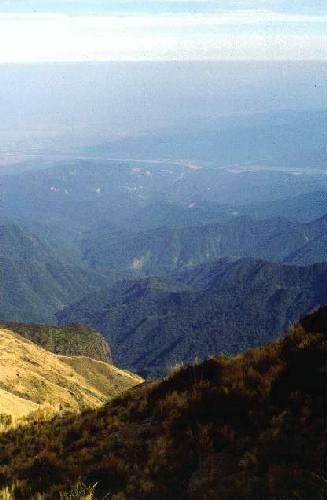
(33, 379)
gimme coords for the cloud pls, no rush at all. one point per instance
(102, 7)
(222, 17)
(59, 37)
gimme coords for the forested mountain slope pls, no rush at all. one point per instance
(34, 282)
(68, 340)
(226, 306)
(163, 250)
(303, 208)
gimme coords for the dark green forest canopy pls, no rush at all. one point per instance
(68, 340)
(225, 306)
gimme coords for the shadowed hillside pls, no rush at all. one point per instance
(35, 283)
(167, 249)
(240, 428)
(69, 340)
(226, 306)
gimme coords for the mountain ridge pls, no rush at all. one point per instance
(34, 282)
(68, 340)
(163, 250)
(226, 306)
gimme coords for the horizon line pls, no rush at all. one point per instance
(162, 60)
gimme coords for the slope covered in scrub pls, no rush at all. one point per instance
(233, 428)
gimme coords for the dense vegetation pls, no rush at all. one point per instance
(305, 207)
(226, 306)
(248, 427)
(68, 340)
(79, 225)
(35, 283)
(163, 250)
(76, 194)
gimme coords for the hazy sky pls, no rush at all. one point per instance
(95, 101)
(87, 103)
(100, 30)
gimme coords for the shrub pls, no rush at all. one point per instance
(5, 420)
(80, 491)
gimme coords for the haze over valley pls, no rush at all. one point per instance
(83, 224)
(163, 251)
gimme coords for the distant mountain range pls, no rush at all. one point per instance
(226, 306)
(38, 280)
(34, 282)
(303, 208)
(281, 139)
(73, 195)
(79, 236)
(164, 250)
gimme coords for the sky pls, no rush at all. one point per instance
(63, 105)
(34, 31)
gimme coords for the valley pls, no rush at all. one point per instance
(156, 261)
(224, 307)
(163, 269)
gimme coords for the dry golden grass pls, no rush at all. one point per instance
(35, 381)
